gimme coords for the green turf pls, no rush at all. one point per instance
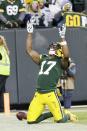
(82, 117)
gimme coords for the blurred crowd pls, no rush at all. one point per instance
(42, 13)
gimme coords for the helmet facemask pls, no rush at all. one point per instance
(53, 49)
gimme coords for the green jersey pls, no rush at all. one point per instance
(50, 72)
(11, 10)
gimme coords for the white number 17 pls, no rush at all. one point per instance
(51, 65)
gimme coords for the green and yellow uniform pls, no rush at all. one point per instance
(50, 72)
(11, 10)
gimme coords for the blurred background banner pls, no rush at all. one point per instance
(75, 19)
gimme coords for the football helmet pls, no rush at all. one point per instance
(55, 49)
(11, 1)
(59, 53)
(67, 7)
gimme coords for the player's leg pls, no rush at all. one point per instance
(23, 115)
(55, 107)
(35, 109)
(34, 112)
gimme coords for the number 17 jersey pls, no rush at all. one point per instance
(50, 72)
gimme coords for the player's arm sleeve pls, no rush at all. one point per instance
(22, 12)
(42, 56)
(2, 18)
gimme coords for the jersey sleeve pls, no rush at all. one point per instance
(42, 57)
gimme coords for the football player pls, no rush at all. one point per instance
(51, 68)
(12, 13)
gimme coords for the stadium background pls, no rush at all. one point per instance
(21, 83)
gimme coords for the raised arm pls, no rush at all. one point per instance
(63, 43)
(65, 49)
(32, 53)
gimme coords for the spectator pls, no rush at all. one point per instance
(4, 68)
(12, 13)
(38, 14)
(33, 13)
(27, 5)
(63, 6)
(46, 13)
(79, 5)
(67, 85)
(54, 8)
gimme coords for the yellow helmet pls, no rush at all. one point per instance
(59, 52)
(67, 7)
(56, 47)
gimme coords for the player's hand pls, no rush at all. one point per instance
(9, 24)
(15, 24)
(30, 28)
(62, 31)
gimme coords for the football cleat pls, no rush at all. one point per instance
(73, 117)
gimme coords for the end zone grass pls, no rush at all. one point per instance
(82, 117)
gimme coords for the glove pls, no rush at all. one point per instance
(30, 27)
(62, 31)
(9, 24)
